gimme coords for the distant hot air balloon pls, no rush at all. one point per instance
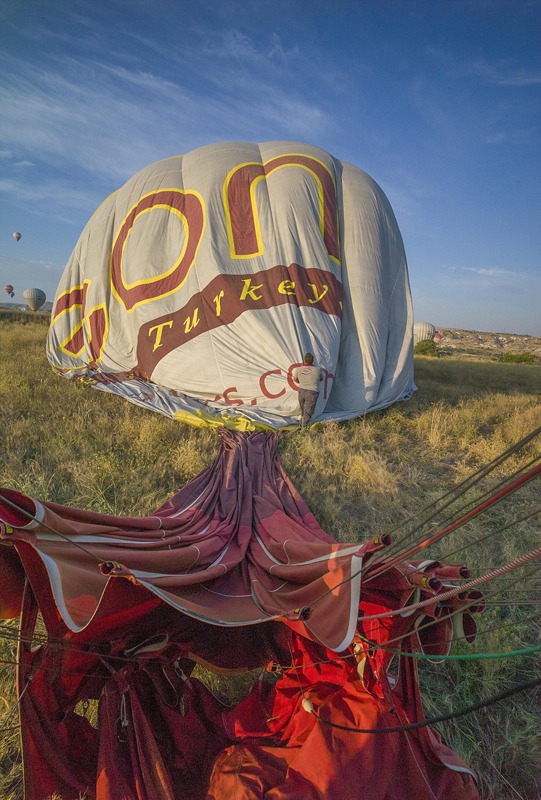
(34, 298)
(8, 288)
(17, 235)
(423, 331)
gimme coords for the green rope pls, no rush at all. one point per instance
(525, 651)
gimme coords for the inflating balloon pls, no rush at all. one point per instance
(423, 331)
(8, 288)
(34, 298)
(17, 235)
(196, 289)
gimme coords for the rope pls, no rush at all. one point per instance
(518, 562)
(490, 576)
(384, 567)
(343, 657)
(496, 498)
(14, 706)
(430, 720)
(33, 518)
(464, 486)
(490, 535)
(9, 730)
(87, 648)
(478, 501)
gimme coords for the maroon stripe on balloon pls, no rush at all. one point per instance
(191, 208)
(242, 212)
(228, 296)
(75, 297)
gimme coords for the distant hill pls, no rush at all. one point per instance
(462, 342)
(45, 309)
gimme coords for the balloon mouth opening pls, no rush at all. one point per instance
(16, 509)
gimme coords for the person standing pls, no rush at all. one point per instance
(308, 377)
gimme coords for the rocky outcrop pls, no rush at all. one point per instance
(482, 342)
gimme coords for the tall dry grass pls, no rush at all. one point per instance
(73, 445)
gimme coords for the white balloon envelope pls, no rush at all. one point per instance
(34, 298)
(423, 331)
(196, 288)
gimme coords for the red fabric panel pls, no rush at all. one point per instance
(58, 745)
(249, 772)
(237, 544)
(12, 582)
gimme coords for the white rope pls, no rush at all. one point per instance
(15, 706)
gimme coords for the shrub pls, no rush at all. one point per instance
(518, 358)
(426, 348)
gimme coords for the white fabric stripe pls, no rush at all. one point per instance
(182, 510)
(56, 586)
(99, 539)
(168, 599)
(205, 529)
(86, 539)
(270, 591)
(38, 517)
(336, 554)
(143, 574)
(457, 768)
(355, 596)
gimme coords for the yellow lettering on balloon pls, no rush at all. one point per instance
(193, 322)
(287, 287)
(159, 328)
(218, 303)
(250, 290)
(317, 297)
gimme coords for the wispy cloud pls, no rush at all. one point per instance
(277, 50)
(496, 282)
(231, 43)
(489, 272)
(47, 191)
(111, 120)
(504, 73)
(514, 136)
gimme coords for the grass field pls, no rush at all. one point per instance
(65, 443)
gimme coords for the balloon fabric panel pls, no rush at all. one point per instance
(197, 287)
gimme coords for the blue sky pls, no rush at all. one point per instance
(438, 101)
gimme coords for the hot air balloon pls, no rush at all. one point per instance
(8, 288)
(17, 235)
(214, 287)
(34, 298)
(423, 331)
